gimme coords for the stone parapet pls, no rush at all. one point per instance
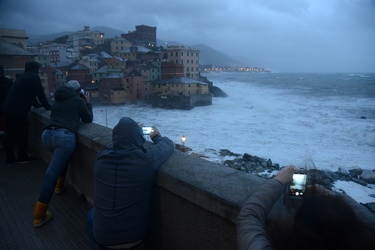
(195, 202)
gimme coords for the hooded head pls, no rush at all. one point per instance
(127, 134)
(32, 66)
(74, 85)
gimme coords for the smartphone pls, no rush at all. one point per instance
(147, 130)
(298, 187)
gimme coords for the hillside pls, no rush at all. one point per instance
(207, 54)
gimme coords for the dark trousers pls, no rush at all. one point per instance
(17, 136)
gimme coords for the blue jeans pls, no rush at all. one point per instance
(61, 143)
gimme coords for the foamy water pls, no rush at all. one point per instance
(271, 122)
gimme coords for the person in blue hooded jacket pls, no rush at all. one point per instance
(123, 180)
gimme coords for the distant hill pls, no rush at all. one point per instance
(34, 39)
(207, 54)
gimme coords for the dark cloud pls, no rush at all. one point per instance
(288, 35)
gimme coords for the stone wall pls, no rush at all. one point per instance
(195, 202)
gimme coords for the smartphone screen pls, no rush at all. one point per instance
(147, 130)
(297, 188)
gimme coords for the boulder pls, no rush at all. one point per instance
(368, 176)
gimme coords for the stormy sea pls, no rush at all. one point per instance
(290, 118)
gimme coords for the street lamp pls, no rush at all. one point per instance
(183, 139)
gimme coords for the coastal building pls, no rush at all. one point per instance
(132, 53)
(111, 89)
(90, 61)
(15, 36)
(150, 72)
(43, 59)
(180, 93)
(84, 39)
(13, 58)
(82, 74)
(116, 63)
(189, 57)
(134, 86)
(51, 78)
(143, 35)
(57, 53)
(119, 44)
(171, 69)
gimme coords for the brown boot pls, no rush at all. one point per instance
(60, 185)
(41, 215)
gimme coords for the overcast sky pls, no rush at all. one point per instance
(284, 35)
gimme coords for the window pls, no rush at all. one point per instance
(182, 53)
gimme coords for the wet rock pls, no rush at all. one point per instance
(368, 176)
(361, 182)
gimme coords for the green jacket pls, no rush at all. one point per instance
(69, 109)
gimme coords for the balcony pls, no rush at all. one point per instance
(194, 206)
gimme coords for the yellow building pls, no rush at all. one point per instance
(189, 57)
(181, 86)
(119, 44)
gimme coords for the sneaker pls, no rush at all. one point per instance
(27, 159)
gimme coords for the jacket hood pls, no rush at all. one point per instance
(127, 135)
(32, 66)
(63, 93)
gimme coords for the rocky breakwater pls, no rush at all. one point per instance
(265, 168)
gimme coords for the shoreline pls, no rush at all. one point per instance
(267, 169)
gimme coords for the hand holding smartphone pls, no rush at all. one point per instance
(297, 189)
(147, 130)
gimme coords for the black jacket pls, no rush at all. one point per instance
(23, 92)
(68, 109)
(5, 85)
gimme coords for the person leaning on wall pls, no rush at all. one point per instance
(123, 181)
(323, 220)
(23, 94)
(59, 137)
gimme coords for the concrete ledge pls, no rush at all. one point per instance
(195, 202)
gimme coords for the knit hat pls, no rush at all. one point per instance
(74, 84)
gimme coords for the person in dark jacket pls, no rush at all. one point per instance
(5, 84)
(123, 181)
(17, 104)
(322, 220)
(59, 137)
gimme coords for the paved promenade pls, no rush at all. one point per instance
(19, 189)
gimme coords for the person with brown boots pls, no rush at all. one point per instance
(59, 137)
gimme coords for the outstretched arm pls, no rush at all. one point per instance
(251, 233)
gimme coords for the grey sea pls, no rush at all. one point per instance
(291, 118)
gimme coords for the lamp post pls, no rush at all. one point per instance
(183, 138)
